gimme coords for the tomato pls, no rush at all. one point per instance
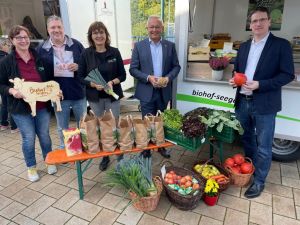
(236, 169)
(166, 180)
(246, 168)
(188, 184)
(238, 159)
(239, 79)
(179, 177)
(196, 186)
(172, 172)
(229, 162)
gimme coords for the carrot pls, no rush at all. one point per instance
(217, 176)
(220, 180)
(223, 182)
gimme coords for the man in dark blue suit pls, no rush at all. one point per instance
(267, 62)
(152, 58)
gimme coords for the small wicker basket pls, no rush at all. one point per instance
(147, 204)
(186, 202)
(222, 187)
(240, 179)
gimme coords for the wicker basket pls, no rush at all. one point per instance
(222, 187)
(147, 204)
(240, 179)
(186, 202)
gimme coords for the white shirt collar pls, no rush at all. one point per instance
(262, 40)
(154, 42)
(65, 42)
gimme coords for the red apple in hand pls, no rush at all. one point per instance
(239, 79)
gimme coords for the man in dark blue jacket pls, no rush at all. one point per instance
(151, 59)
(60, 55)
(267, 62)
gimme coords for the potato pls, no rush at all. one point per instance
(162, 81)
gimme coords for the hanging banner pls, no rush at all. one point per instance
(275, 8)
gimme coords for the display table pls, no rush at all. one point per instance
(59, 156)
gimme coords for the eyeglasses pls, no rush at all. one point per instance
(154, 27)
(262, 20)
(98, 33)
(19, 38)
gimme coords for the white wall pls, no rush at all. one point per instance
(231, 15)
(77, 16)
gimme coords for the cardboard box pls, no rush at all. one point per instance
(198, 53)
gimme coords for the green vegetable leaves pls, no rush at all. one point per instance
(220, 119)
(96, 77)
(172, 118)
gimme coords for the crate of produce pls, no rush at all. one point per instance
(178, 138)
(227, 135)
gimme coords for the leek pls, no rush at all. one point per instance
(96, 77)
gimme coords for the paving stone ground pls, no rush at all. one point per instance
(54, 199)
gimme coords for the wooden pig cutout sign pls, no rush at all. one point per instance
(38, 91)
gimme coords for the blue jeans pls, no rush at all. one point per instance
(156, 103)
(258, 137)
(4, 114)
(63, 117)
(30, 127)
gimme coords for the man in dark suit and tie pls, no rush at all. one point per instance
(152, 58)
(267, 62)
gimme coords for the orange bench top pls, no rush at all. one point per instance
(58, 156)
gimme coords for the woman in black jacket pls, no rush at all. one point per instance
(109, 62)
(23, 63)
(5, 46)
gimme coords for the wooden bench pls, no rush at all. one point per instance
(59, 156)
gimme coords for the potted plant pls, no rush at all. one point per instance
(135, 176)
(218, 64)
(211, 192)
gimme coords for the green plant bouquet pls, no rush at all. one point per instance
(96, 77)
(134, 175)
(211, 188)
(221, 118)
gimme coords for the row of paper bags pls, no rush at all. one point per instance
(104, 133)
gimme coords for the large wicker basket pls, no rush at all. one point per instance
(240, 179)
(186, 202)
(147, 204)
(222, 187)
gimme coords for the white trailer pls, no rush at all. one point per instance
(195, 88)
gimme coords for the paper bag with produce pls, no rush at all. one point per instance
(72, 141)
(157, 128)
(125, 136)
(142, 132)
(108, 131)
(89, 130)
